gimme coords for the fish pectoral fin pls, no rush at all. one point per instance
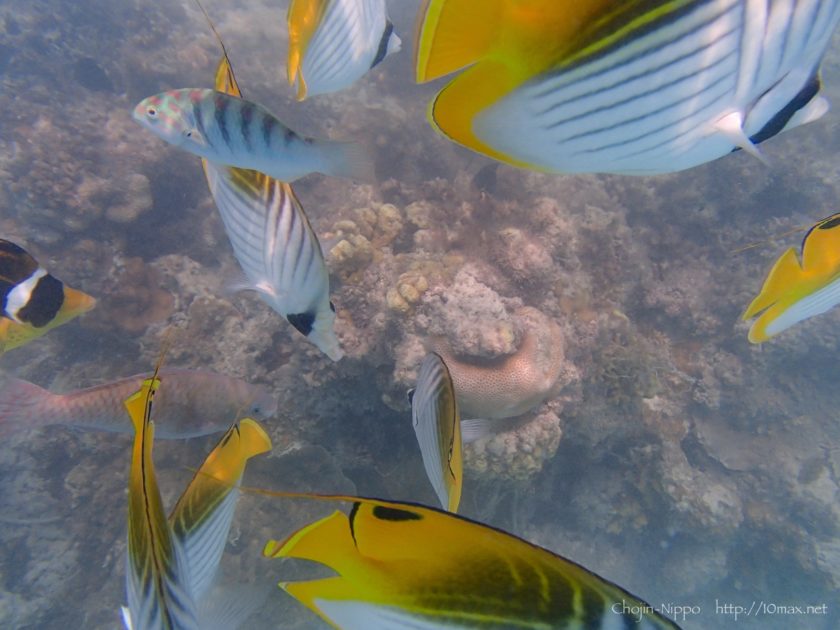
(784, 276)
(732, 127)
(450, 36)
(473, 429)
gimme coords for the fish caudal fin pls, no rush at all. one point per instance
(453, 34)
(784, 275)
(346, 159)
(22, 404)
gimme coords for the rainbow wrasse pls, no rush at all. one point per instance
(232, 131)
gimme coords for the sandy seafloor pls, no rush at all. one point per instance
(671, 457)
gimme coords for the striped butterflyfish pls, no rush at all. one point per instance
(634, 87)
(33, 301)
(274, 242)
(799, 287)
(333, 43)
(400, 565)
(170, 563)
(437, 424)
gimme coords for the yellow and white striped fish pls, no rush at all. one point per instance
(635, 87)
(170, 563)
(795, 291)
(437, 424)
(333, 43)
(274, 243)
(400, 565)
(229, 130)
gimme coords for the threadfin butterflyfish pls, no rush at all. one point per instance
(400, 565)
(32, 300)
(272, 239)
(333, 43)
(634, 87)
(170, 563)
(799, 287)
(437, 425)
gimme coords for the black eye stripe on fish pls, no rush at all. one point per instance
(384, 513)
(302, 322)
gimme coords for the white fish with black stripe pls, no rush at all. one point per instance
(274, 243)
(437, 425)
(333, 43)
(229, 130)
(636, 87)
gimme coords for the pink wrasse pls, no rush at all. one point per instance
(192, 403)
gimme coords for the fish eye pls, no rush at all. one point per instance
(188, 134)
(152, 112)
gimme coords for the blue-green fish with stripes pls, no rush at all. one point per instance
(170, 563)
(232, 131)
(634, 87)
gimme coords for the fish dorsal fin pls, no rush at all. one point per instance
(225, 81)
(821, 247)
(785, 273)
(202, 517)
(449, 36)
(303, 20)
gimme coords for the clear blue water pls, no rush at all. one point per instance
(694, 469)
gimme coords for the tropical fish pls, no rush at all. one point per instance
(274, 242)
(794, 290)
(634, 87)
(333, 43)
(194, 403)
(437, 424)
(401, 565)
(33, 301)
(228, 130)
(171, 563)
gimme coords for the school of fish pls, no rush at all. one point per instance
(638, 87)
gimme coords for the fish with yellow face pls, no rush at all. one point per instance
(635, 87)
(170, 563)
(32, 301)
(400, 565)
(799, 287)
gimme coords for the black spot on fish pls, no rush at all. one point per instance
(410, 395)
(383, 43)
(221, 103)
(90, 75)
(783, 116)
(830, 223)
(393, 514)
(302, 322)
(44, 303)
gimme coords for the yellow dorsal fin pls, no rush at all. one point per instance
(784, 275)
(453, 34)
(303, 19)
(821, 247)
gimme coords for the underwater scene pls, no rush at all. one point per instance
(520, 313)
